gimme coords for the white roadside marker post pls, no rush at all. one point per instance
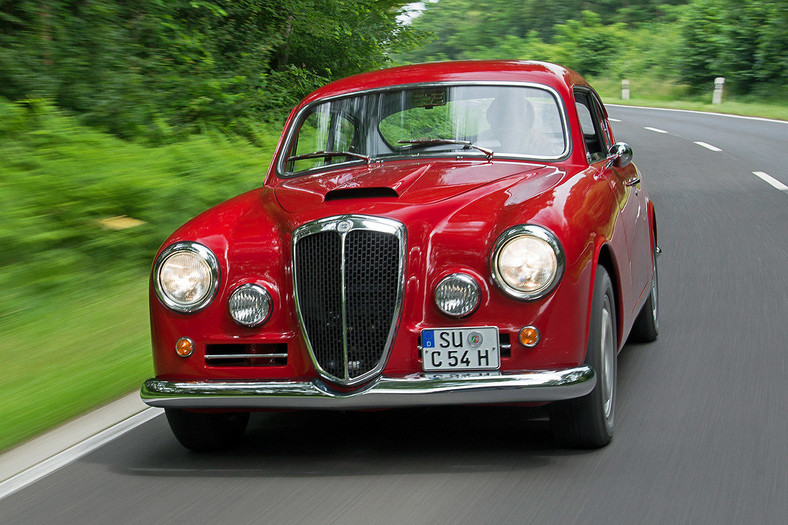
(717, 97)
(625, 90)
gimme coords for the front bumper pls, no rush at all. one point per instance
(416, 390)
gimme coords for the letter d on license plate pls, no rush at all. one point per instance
(474, 348)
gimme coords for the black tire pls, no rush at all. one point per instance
(205, 432)
(646, 327)
(589, 421)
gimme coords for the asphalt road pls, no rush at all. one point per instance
(702, 413)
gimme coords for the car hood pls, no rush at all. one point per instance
(404, 182)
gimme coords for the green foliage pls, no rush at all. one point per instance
(473, 29)
(744, 41)
(587, 45)
(62, 184)
(135, 67)
(693, 41)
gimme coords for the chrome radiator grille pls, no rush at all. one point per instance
(348, 285)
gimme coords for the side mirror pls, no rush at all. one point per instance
(619, 155)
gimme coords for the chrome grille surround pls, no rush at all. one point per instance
(347, 330)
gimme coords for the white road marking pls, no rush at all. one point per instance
(613, 119)
(58, 461)
(708, 146)
(761, 119)
(656, 130)
(770, 180)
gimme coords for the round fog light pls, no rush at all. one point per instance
(250, 305)
(457, 295)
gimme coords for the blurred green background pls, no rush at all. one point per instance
(120, 120)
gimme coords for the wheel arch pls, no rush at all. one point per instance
(652, 217)
(605, 259)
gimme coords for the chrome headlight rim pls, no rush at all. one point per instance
(206, 255)
(527, 230)
(264, 291)
(466, 279)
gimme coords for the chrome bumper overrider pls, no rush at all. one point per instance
(385, 392)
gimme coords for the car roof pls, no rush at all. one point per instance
(558, 77)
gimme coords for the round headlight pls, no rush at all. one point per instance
(457, 295)
(186, 276)
(250, 305)
(527, 262)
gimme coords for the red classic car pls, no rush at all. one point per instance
(457, 233)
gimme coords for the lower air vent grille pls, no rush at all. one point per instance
(246, 354)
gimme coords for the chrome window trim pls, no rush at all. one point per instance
(291, 132)
(539, 232)
(343, 224)
(207, 255)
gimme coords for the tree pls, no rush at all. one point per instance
(742, 40)
(135, 67)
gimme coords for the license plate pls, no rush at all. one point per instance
(474, 348)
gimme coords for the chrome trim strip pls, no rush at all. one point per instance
(246, 356)
(414, 390)
(343, 230)
(342, 225)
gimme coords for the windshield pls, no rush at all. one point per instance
(478, 120)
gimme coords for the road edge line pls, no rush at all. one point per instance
(73, 453)
(730, 115)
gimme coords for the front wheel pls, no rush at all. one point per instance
(588, 421)
(205, 432)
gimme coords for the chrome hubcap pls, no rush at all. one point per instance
(607, 345)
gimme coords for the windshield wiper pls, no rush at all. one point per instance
(466, 144)
(323, 154)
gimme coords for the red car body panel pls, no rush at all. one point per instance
(454, 209)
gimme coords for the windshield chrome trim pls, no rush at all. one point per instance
(291, 131)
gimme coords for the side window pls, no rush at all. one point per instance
(595, 134)
(603, 125)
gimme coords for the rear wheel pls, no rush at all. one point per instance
(204, 432)
(588, 421)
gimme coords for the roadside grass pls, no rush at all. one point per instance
(664, 94)
(72, 352)
(83, 214)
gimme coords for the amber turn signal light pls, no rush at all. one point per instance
(184, 347)
(529, 336)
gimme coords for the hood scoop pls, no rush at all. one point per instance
(400, 183)
(360, 193)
